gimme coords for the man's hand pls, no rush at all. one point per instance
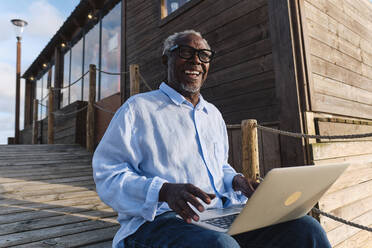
(178, 195)
(246, 186)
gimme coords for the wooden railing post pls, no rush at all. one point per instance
(34, 121)
(134, 79)
(90, 111)
(51, 116)
(250, 159)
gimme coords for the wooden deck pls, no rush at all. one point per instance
(48, 199)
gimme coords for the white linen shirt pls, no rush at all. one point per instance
(159, 137)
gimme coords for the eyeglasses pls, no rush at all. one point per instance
(187, 52)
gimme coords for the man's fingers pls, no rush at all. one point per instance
(250, 184)
(192, 199)
(255, 185)
(199, 193)
(187, 211)
(212, 196)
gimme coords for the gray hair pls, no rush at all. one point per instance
(171, 40)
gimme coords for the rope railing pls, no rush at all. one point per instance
(103, 109)
(71, 84)
(346, 222)
(112, 73)
(57, 114)
(45, 97)
(144, 82)
(308, 136)
(43, 105)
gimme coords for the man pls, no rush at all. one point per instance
(166, 150)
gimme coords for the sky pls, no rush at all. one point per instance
(44, 18)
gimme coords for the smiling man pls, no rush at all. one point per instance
(166, 150)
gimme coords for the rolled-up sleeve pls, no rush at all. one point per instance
(116, 170)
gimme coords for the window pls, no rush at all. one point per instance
(52, 76)
(91, 56)
(41, 93)
(169, 6)
(39, 87)
(111, 31)
(65, 97)
(76, 71)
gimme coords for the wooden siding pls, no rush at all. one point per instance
(339, 37)
(339, 40)
(102, 118)
(241, 78)
(351, 196)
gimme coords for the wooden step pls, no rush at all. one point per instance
(48, 198)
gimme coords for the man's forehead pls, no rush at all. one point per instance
(191, 39)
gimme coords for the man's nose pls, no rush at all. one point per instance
(195, 59)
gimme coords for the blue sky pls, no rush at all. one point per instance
(44, 18)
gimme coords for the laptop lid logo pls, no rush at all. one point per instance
(292, 198)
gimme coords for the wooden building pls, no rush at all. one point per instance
(303, 66)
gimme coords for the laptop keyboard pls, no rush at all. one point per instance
(222, 222)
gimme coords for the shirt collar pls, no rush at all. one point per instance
(178, 99)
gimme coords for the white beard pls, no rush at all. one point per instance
(190, 89)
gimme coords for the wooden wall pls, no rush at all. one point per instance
(102, 118)
(351, 196)
(339, 52)
(241, 78)
(340, 46)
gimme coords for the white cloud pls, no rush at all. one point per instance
(44, 19)
(6, 29)
(7, 81)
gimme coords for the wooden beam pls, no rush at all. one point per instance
(28, 103)
(90, 113)
(286, 81)
(50, 115)
(34, 122)
(134, 79)
(250, 158)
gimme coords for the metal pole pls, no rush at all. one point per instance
(18, 90)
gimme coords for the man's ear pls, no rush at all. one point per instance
(164, 60)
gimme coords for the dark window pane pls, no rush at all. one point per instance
(110, 84)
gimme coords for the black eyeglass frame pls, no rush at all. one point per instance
(198, 51)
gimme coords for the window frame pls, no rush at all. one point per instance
(187, 6)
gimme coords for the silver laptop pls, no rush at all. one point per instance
(285, 194)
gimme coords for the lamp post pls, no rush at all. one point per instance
(19, 26)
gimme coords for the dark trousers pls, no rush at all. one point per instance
(169, 231)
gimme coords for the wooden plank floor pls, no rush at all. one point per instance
(48, 199)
